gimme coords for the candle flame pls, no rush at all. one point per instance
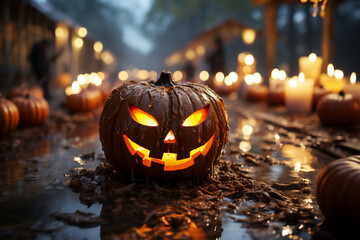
(249, 59)
(233, 77)
(257, 78)
(353, 78)
(282, 75)
(219, 77)
(275, 73)
(330, 70)
(249, 79)
(75, 86)
(293, 82)
(338, 74)
(312, 57)
(301, 77)
(228, 81)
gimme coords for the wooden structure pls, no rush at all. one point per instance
(24, 23)
(327, 45)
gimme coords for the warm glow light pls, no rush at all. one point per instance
(282, 75)
(245, 146)
(82, 32)
(204, 75)
(275, 73)
(87, 79)
(338, 74)
(107, 57)
(200, 50)
(228, 81)
(95, 79)
(330, 70)
(257, 78)
(249, 79)
(233, 77)
(169, 160)
(142, 117)
(177, 76)
(301, 77)
(190, 55)
(98, 46)
(293, 83)
(142, 74)
(249, 59)
(101, 75)
(152, 75)
(219, 77)
(78, 42)
(241, 57)
(170, 137)
(353, 78)
(312, 57)
(197, 117)
(80, 79)
(123, 75)
(247, 130)
(75, 86)
(248, 36)
(247, 70)
(59, 32)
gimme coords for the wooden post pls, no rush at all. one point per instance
(328, 35)
(270, 38)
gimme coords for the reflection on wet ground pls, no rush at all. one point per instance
(35, 195)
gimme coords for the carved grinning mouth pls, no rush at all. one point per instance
(169, 160)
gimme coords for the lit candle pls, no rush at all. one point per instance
(255, 91)
(298, 94)
(277, 78)
(353, 87)
(333, 80)
(311, 66)
(246, 64)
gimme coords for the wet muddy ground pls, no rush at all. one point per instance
(54, 182)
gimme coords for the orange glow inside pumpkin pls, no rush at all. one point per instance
(169, 160)
(197, 117)
(170, 137)
(142, 117)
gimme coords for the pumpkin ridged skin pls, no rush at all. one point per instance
(336, 110)
(85, 101)
(33, 110)
(170, 106)
(22, 90)
(337, 191)
(9, 116)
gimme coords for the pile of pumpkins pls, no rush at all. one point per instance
(24, 106)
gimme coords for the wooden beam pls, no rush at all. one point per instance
(270, 38)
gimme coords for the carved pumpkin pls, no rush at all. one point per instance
(33, 110)
(85, 101)
(339, 110)
(337, 190)
(9, 116)
(23, 89)
(162, 129)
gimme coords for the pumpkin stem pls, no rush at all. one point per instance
(165, 80)
(341, 93)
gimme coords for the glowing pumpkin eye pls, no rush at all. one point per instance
(142, 117)
(197, 117)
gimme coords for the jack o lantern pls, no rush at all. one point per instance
(163, 130)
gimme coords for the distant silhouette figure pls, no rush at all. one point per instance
(40, 64)
(189, 70)
(216, 59)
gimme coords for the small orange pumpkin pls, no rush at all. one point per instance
(23, 89)
(337, 190)
(9, 116)
(33, 110)
(85, 101)
(339, 110)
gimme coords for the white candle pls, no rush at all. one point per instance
(298, 94)
(311, 66)
(277, 78)
(353, 87)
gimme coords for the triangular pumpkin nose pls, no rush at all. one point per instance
(170, 137)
